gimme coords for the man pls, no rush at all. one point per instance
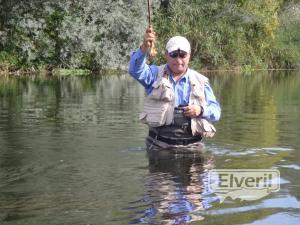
(180, 103)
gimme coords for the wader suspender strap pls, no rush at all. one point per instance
(155, 139)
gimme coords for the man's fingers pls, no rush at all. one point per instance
(149, 30)
(191, 111)
(150, 36)
(149, 39)
(186, 111)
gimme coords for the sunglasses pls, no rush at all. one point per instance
(179, 53)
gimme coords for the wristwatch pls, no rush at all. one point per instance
(201, 112)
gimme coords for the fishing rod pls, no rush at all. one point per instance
(149, 12)
(152, 52)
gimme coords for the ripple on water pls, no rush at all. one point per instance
(278, 218)
(294, 167)
(283, 203)
(248, 151)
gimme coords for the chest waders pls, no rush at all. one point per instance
(177, 133)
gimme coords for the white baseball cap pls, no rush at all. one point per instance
(178, 43)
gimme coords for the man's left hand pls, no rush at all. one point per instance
(192, 111)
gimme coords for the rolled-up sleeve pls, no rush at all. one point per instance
(141, 71)
(213, 110)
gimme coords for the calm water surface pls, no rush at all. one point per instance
(72, 152)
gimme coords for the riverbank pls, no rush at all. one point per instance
(86, 72)
(6, 71)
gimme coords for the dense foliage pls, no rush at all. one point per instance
(86, 34)
(228, 33)
(100, 34)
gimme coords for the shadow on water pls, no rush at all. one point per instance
(175, 190)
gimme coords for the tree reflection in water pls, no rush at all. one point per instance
(176, 190)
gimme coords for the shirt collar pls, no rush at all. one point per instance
(184, 78)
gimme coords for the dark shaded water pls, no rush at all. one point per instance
(72, 152)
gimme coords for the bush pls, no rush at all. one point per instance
(82, 34)
(98, 35)
(223, 33)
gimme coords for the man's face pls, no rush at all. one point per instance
(178, 61)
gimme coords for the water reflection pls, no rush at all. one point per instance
(260, 109)
(176, 191)
(64, 155)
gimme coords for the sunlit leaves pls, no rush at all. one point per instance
(223, 32)
(82, 34)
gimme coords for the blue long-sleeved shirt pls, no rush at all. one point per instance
(146, 75)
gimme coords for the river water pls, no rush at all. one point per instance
(72, 152)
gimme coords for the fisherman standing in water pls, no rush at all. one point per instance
(180, 104)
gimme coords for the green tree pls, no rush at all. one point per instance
(231, 32)
(82, 34)
(100, 34)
